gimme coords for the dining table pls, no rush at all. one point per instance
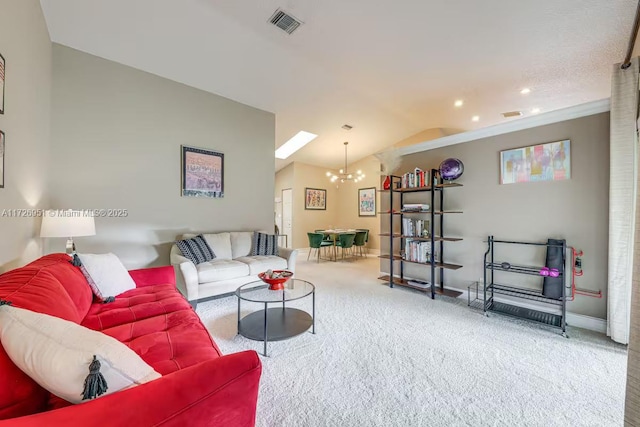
(334, 234)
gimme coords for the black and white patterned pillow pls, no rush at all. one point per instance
(264, 244)
(196, 249)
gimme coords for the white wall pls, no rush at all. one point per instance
(26, 47)
(116, 136)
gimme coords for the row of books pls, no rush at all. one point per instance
(417, 178)
(417, 251)
(415, 227)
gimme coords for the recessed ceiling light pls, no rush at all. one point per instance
(458, 103)
(525, 91)
(300, 139)
(535, 110)
(475, 118)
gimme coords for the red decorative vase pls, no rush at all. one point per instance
(387, 183)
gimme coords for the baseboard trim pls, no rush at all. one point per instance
(573, 319)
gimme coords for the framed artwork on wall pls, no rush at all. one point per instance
(367, 201)
(2, 143)
(2, 78)
(202, 172)
(536, 163)
(315, 199)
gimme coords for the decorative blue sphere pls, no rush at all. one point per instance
(451, 169)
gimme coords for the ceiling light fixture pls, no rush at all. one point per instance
(535, 110)
(475, 118)
(458, 103)
(300, 139)
(525, 91)
(344, 175)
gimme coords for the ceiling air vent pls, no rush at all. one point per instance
(509, 114)
(347, 127)
(284, 21)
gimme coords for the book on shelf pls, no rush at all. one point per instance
(415, 227)
(417, 178)
(421, 283)
(417, 251)
(415, 207)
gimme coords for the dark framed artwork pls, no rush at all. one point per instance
(202, 172)
(2, 150)
(367, 201)
(315, 199)
(2, 78)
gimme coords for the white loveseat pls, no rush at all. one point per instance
(232, 267)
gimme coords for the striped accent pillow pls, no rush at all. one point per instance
(264, 244)
(196, 249)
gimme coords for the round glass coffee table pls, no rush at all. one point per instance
(276, 323)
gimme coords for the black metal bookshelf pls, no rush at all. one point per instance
(435, 191)
(491, 288)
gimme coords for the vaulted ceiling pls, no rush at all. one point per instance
(388, 68)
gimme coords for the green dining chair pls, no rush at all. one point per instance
(345, 241)
(366, 239)
(316, 242)
(359, 241)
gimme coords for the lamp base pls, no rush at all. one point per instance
(71, 247)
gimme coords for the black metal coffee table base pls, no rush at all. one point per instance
(283, 323)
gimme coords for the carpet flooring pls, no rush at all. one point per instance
(393, 357)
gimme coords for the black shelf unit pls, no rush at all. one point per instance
(435, 192)
(491, 288)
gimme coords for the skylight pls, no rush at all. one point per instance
(301, 139)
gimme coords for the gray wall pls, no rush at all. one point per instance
(576, 209)
(116, 136)
(26, 47)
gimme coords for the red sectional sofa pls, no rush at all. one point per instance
(199, 386)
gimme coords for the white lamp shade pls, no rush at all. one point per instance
(69, 223)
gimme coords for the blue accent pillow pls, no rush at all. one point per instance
(264, 244)
(196, 249)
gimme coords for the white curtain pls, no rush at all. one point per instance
(622, 198)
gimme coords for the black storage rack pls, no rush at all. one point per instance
(491, 288)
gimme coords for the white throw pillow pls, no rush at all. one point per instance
(57, 353)
(108, 273)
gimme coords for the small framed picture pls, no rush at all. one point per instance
(2, 78)
(2, 159)
(202, 173)
(367, 201)
(315, 199)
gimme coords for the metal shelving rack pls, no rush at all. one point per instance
(491, 288)
(436, 193)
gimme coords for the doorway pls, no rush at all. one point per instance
(287, 216)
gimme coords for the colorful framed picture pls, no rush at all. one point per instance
(367, 201)
(2, 78)
(2, 150)
(536, 163)
(202, 172)
(315, 199)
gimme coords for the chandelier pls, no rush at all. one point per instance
(344, 175)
